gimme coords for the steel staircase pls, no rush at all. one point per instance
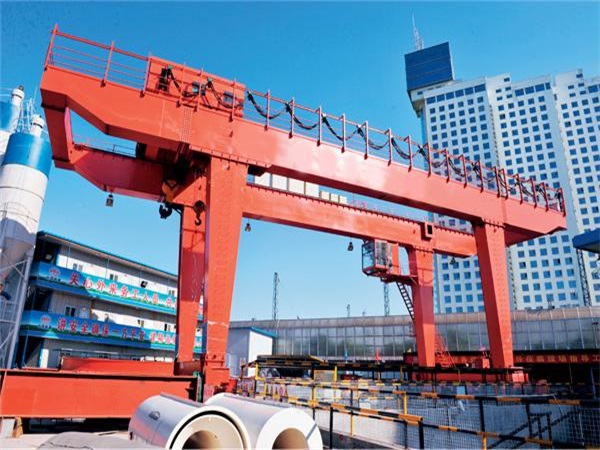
(442, 355)
(407, 300)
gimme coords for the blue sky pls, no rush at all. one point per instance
(347, 57)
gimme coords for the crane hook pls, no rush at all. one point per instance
(199, 207)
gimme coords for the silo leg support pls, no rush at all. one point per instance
(421, 263)
(491, 250)
(226, 181)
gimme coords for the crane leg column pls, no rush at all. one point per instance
(189, 291)
(421, 263)
(491, 250)
(226, 181)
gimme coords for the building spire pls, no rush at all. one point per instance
(416, 36)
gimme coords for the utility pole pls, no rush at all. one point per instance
(386, 299)
(276, 296)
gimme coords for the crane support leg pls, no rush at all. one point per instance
(491, 249)
(226, 181)
(191, 277)
(421, 263)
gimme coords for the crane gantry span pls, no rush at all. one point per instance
(198, 136)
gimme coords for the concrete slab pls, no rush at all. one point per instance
(75, 439)
(71, 440)
(25, 441)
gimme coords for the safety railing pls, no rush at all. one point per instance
(490, 389)
(105, 62)
(81, 141)
(383, 144)
(440, 420)
(192, 88)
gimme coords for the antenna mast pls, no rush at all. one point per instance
(276, 296)
(416, 36)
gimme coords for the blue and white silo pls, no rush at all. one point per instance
(23, 179)
(10, 111)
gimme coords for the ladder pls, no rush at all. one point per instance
(407, 300)
(442, 355)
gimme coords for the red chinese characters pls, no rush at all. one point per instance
(142, 335)
(74, 280)
(73, 326)
(124, 291)
(124, 333)
(133, 333)
(112, 288)
(169, 302)
(84, 328)
(62, 324)
(95, 329)
(100, 285)
(155, 298)
(135, 293)
(105, 330)
(54, 273)
(88, 283)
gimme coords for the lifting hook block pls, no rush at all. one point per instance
(199, 207)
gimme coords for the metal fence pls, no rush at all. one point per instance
(391, 415)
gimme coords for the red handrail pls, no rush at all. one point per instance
(320, 116)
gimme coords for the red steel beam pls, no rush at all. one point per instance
(421, 263)
(312, 213)
(173, 125)
(59, 394)
(158, 120)
(95, 365)
(127, 175)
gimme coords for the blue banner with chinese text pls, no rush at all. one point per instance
(55, 326)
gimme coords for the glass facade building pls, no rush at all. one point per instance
(542, 128)
(363, 338)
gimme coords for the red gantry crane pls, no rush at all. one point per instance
(198, 137)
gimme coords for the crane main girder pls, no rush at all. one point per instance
(196, 145)
(158, 122)
(276, 206)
